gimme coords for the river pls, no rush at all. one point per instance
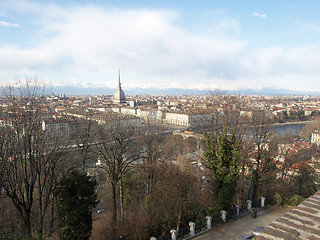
(286, 129)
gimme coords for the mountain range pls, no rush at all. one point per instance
(75, 90)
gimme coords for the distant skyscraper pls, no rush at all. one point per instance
(119, 96)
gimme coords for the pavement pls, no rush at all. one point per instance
(244, 224)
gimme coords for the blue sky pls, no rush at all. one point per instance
(201, 44)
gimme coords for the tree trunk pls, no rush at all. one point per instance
(255, 189)
(51, 219)
(114, 198)
(27, 226)
(121, 199)
(148, 189)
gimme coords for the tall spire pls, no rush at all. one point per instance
(119, 79)
(119, 96)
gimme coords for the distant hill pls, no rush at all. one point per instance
(74, 90)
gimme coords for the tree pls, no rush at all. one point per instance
(118, 150)
(85, 138)
(263, 149)
(305, 179)
(224, 127)
(76, 197)
(223, 155)
(30, 164)
(223, 115)
(310, 126)
(151, 154)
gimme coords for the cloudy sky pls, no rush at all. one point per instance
(205, 44)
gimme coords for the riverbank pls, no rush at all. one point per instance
(289, 123)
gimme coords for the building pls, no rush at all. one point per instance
(57, 128)
(315, 137)
(119, 96)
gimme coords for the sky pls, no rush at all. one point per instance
(161, 44)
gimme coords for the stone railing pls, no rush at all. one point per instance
(206, 224)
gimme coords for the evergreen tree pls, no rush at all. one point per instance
(222, 155)
(76, 198)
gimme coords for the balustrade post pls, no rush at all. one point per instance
(238, 210)
(192, 228)
(174, 234)
(209, 222)
(249, 205)
(223, 215)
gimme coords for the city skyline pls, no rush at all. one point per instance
(203, 45)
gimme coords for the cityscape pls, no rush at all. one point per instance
(113, 138)
(159, 120)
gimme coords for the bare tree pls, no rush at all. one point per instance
(176, 197)
(85, 133)
(30, 164)
(152, 153)
(118, 150)
(314, 124)
(263, 151)
(226, 118)
(223, 115)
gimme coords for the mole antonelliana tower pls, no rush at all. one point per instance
(119, 96)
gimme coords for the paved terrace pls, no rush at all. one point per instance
(244, 224)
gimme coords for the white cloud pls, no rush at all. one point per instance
(279, 60)
(284, 67)
(261, 15)
(138, 41)
(17, 59)
(8, 24)
(86, 46)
